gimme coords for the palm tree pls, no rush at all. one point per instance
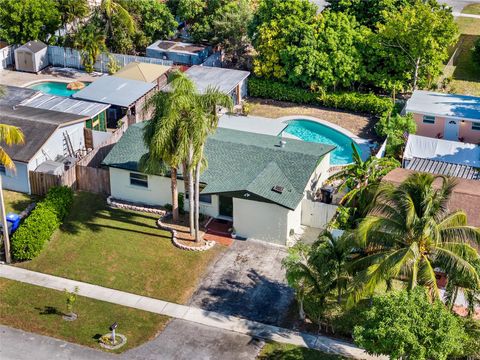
(360, 176)
(409, 232)
(72, 10)
(108, 9)
(10, 135)
(91, 44)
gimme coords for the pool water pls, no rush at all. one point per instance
(315, 132)
(54, 88)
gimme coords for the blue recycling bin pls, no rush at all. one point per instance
(14, 219)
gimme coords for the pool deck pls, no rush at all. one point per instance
(22, 79)
(274, 127)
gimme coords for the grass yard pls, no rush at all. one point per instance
(472, 9)
(36, 309)
(277, 351)
(359, 124)
(15, 201)
(121, 250)
(465, 73)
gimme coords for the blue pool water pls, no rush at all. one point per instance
(54, 88)
(315, 132)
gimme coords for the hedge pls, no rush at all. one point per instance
(30, 237)
(352, 101)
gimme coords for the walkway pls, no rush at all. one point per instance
(208, 318)
(466, 15)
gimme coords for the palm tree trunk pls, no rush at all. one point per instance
(6, 239)
(190, 191)
(174, 194)
(197, 202)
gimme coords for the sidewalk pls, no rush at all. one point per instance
(187, 313)
(466, 15)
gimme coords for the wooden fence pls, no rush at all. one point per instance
(86, 175)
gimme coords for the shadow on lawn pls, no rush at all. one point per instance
(49, 310)
(91, 211)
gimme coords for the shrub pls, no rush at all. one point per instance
(395, 127)
(29, 239)
(476, 52)
(352, 101)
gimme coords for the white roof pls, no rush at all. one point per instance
(453, 152)
(446, 105)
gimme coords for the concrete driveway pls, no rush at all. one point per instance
(247, 281)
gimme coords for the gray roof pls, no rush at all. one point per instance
(14, 95)
(240, 164)
(34, 46)
(66, 105)
(443, 168)
(115, 91)
(37, 126)
(447, 105)
(223, 79)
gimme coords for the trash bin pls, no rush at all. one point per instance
(9, 225)
(14, 219)
(327, 194)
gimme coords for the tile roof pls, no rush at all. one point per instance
(114, 90)
(37, 126)
(240, 163)
(441, 104)
(465, 196)
(443, 168)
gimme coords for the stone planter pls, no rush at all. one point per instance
(70, 317)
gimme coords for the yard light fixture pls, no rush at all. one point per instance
(112, 329)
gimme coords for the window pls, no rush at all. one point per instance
(3, 171)
(207, 199)
(139, 180)
(475, 126)
(427, 119)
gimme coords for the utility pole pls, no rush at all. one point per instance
(6, 239)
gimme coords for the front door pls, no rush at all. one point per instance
(225, 206)
(451, 129)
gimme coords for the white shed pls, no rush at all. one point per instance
(31, 57)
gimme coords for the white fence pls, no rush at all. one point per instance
(6, 57)
(317, 214)
(71, 58)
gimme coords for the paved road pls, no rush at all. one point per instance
(181, 340)
(247, 281)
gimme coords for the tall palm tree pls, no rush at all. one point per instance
(110, 8)
(91, 44)
(409, 232)
(360, 176)
(72, 10)
(9, 135)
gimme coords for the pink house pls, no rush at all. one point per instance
(446, 116)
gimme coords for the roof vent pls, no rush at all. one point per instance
(278, 189)
(282, 143)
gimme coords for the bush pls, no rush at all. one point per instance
(29, 239)
(395, 128)
(352, 101)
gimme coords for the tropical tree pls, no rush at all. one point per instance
(406, 325)
(362, 175)
(409, 232)
(91, 44)
(72, 10)
(9, 135)
(26, 20)
(396, 129)
(119, 25)
(471, 291)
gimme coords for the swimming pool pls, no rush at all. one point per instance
(313, 131)
(54, 88)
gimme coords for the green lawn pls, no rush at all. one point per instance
(122, 250)
(39, 310)
(15, 201)
(276, 351)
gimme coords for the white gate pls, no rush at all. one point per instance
(317, 214)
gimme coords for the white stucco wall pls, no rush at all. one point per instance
(319, 175)
(158, 192)
(294, 220)
(18, 180)
(53, 147)
(261, 221)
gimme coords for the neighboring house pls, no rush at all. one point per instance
(126, 97)
(447, 116)
(31, 57)
(179, 52)
(233, 82)
(465, 196)
(150, 73)
(442, 157)
(50, 136)
(252, 179)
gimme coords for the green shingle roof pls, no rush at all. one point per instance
(240, 162)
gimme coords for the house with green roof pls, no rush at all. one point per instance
(257, 181)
